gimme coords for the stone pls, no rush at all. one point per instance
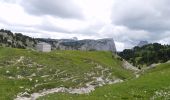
(106, 44)
(43, 47)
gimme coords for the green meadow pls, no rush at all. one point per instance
(153, 84)
(28, 71)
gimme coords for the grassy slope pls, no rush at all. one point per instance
(154, 85)
(22, 70)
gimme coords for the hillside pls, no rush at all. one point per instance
(77, 75)
(16, 40)
(69, 74)
(23, 72)
(147, 55)
(152, 85)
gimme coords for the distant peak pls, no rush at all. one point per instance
(142, 43)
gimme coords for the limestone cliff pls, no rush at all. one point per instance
(87, 44)
(18, 40)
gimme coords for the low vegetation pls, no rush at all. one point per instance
(23, 72)
(151, 85)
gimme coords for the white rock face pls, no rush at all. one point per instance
(87, 44)
(100, 45)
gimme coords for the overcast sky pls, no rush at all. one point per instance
(126, 21)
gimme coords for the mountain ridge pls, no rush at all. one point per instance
(17, 40)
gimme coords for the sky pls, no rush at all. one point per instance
(126, 21)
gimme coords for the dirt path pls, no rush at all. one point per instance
(82, 90)
(89, 87)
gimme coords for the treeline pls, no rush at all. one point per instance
(16, 40)
(147, 55)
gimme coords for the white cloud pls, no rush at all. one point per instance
(126, 21)
(14, 14)
(96, 9)
(149, 15)
(56, 8)
(119, 46)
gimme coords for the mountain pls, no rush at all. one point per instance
(106, 44)
(17, 40)
(143, 43)
(72, 74)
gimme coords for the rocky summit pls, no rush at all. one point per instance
(17, 40)
(106, 44)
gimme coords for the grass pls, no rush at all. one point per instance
(152, 85)
(30, 71)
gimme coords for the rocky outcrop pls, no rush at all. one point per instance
(102, 44)
(106, 44)
(17, 40)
